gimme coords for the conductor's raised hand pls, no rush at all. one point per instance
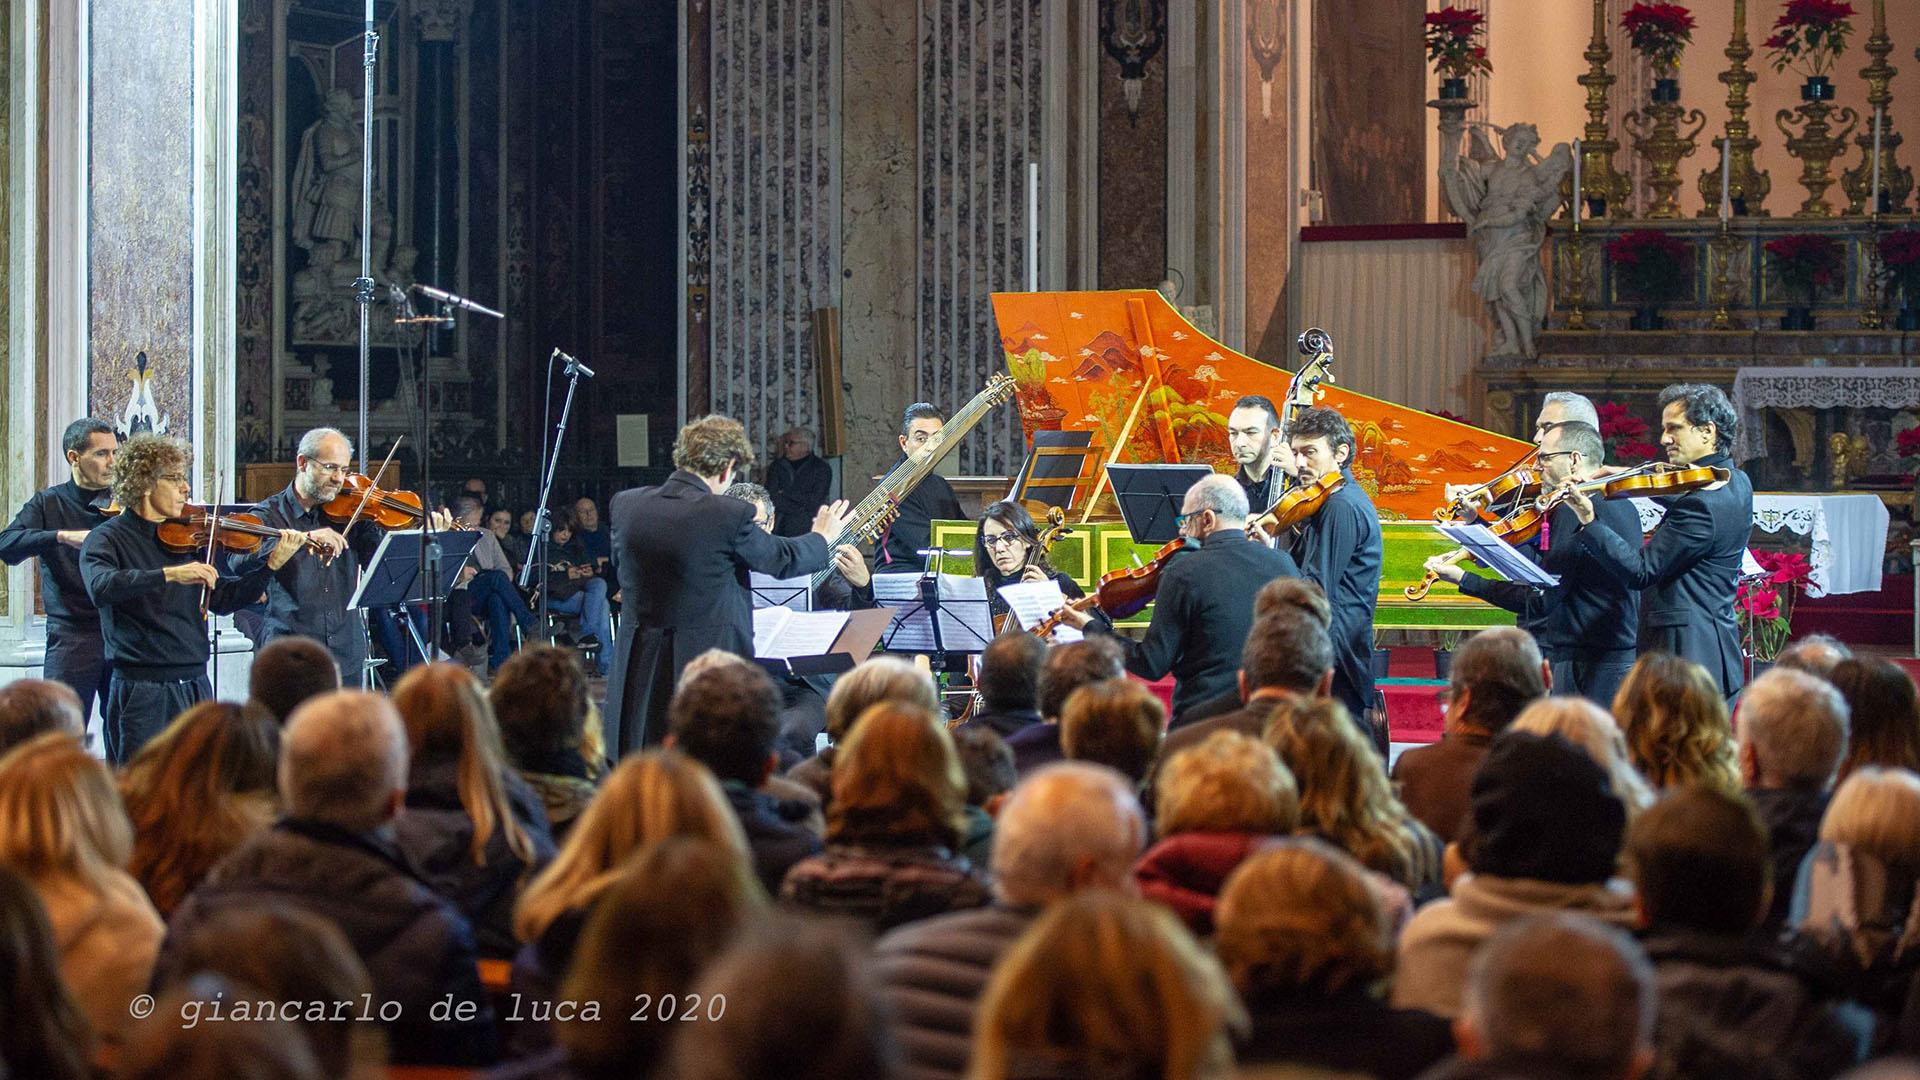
(830, 519)
(193, 573)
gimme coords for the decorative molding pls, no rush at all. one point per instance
(442, 20)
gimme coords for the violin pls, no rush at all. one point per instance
(1122, 592)
(1298, 504)
(1653, 479)
(385, 508)
(1520, 481)
(189, 533)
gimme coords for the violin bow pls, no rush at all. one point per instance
(213, 533)
(372, 484)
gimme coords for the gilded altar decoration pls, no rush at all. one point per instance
(1660, 32)
(1809, 37)
(1746, 186)
(1879, 144)
(1603, 185)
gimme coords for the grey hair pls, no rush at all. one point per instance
(1797, 725)
(1573, 407)
(1593, 729)
(1060, 814)
(1563, 988)
(1815, 654)
(342, 756)
(310, 442)
(1221, 494)
(752, 493)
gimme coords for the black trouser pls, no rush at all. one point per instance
(1594, 677)
(137, 710)
(79, 659)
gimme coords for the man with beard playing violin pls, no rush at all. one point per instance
(1586, 626)
(150, 598)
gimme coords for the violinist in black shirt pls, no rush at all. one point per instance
(51, 527)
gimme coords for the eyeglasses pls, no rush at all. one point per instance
(1180, 520)
(173, 478)
(329, 467)
(1000, 540)
(1555, 454)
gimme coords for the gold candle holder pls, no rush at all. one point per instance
(1896, 181)
(1722, 290)
(1656, 137)
(1599, 179)
(1816, 145)
(1747, 186)
(1576, 281)
(1871, 316)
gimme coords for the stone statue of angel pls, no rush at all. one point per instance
(1506, 201)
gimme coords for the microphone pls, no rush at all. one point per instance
(573, 366)
(456, 300)
(397, 296)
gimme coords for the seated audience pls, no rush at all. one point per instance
(727, 717)
(801, 1005)
(1793, 729)
(1305, 938)
(1496, 673)
(1731, 1003)
(343, 781)
(550, 730)
(881, 679)
(166, 1048)
(780, 787)
(1068, 668)
(894, 824)
(1556, 996)
(62, 826)
(196, 791)
(1884, 714)
(290, 956)
(44, 1034)
(1287, 655)
(1591, 728)
(1675, 722)
(1067, 827)
(987, 764)
(289, 670)
(1815, 654)
(30, 707)
(473, 828)
(1217, 803)
(1009, 685)
(1106, 985)
(1346, 799)
(1547, 829)
(1856, 890)
(1116, 723)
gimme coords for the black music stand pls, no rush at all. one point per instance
(1051, 472)
(1150, 497)
(392, 577)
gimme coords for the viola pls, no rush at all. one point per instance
(360, 498)
(189, 533)
(1298, 504)
(1520, 481)
(1125, 591)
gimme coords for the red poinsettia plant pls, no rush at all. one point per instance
(1805, 263)
(1659, 32)
(1764, 603)
(1453, 42)
(1809, 35)
(1650, 263)
(1625, 435)
(1900, 255)
(1907, 445)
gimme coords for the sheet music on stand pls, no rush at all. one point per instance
(794, 593)
(781, 633)
(965, 623)
(1033, 601)
(1498, 556)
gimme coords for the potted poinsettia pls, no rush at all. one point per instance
(1455, 48)
(1803, 263)
(1651, 266)
(1907, 445)
(1808, 37)
(1900, 256)
(1625, 435)
(1660, 32)
(1764, 603)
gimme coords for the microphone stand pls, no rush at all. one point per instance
(542, 525)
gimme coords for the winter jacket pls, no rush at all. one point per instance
(1792, 816)
(885, 885)
(108, 938)
(436, 835)
(776, 833)
(1348, 1032)
(1186, 871)
(932, 973)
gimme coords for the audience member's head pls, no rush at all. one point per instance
(1496, 673)
(1068, 826)
(650, 796)
(179, 1042)
(197, 790)
(1591, 728)
(1563, 995)
(1793, 729)
(1299, 917)
(289, 670)
(986, 761)
(1072, 666)
(30, 707)
(1293, 594)
(1116, 723)
(1229, 782)
(897, 780)
(881, 679)
(60, 815)
(1010, 672)
(448, 719)
(291, 956)
(43, 1033)
(1815, 654)
(1105, 984)
(1883, 713)
(540, 698)
(1287, 650)
(1699, 861)
(1544, 810)
(1675, 721)
(674, 908)
(728, 719)
(1345, 796)
(802, 1003)
(343, 761)
(1877, 811)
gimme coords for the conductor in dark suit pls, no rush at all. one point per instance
(684, 550)
(1204, 606)
(1689, 569)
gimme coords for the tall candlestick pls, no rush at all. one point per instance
(1726, 178)
(1576, 181)
(1873, 201)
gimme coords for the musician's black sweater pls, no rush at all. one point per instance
(154, 630)
(35, 531)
